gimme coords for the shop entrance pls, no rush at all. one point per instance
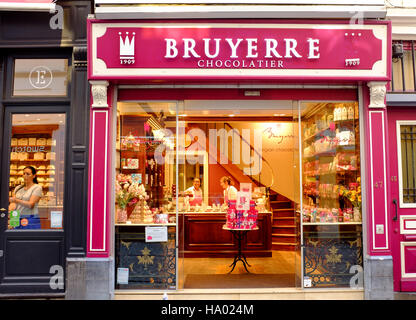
(32, 200)
(402, 128)
(250, 145)
(297, 164)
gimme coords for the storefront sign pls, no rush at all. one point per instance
(148, 50)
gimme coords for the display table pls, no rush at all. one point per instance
(239, 235)
(201, 236)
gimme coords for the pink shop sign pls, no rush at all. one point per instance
(218, 50)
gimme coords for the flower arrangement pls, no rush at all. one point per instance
(128, 192)
(353, 193)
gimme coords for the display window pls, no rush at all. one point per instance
(207, 190)
(331, 204)
(37, 166)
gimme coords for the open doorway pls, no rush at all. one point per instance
(248, 143)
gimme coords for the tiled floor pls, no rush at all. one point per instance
(282, 262)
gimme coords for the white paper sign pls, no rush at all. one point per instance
(56, 219)
(156, 234)
(246, 187)
(123, 275)
(243, 200)
(307, 282)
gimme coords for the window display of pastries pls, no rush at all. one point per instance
(50, 167)
(13, 166)
(14, 156)
(41, 172)
(13, 142)
(51, 142)
(22, 142)
(20, 172)
(51, 179)
(13, 172)
(22, 167)
(42, 167)
(23, 156)
(50, 172)
(51, 156)
(32, 141)
(41, 142)
(41, 180)
(39, 156)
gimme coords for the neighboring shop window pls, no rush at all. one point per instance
(331, 213)
(40, 77)
(408, 163)
(403, 66)
(145, 223)
(36, 183)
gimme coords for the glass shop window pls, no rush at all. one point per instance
(37, 167)
(40, 77)
(145, 221)
(331, 205)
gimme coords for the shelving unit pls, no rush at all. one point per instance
(326, 169)
(51, 150)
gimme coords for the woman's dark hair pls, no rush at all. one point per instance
(227, 179)
(35, 179)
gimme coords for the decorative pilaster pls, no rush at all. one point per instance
(377, 94)
(99, 94)
(98, 196)
(377, 159)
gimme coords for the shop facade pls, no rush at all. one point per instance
(303, 107)
(44, 125)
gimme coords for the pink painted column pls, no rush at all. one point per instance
(99, 204)
(377, 193)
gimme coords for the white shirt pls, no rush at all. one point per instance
(25, 195)
(230, 193)
(197, 196)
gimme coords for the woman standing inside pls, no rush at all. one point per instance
(196, 192)
(25, 200)
(230, 192)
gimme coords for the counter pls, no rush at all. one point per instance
(201, 235)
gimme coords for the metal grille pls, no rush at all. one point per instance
(408, 157)
(403, 67)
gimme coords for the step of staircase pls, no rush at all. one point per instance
(284, 229)
(281, 204)
(283, 238)
(283, 220)
(287, 212)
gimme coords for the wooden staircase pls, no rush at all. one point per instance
(285, 228)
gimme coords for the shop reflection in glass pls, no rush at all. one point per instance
(24, 201)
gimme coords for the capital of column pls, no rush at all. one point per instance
(377, 94)
(99, 94)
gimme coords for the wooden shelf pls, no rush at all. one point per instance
(39, 175)
(330, 223)
(31, 160)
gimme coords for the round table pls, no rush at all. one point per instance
(239, 235)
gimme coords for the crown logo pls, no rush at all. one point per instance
(127, 46)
